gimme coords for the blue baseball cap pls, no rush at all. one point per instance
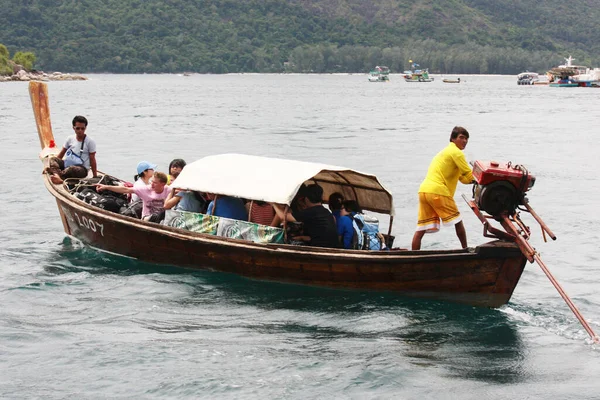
(144, 165)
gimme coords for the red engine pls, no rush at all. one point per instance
(500, 187)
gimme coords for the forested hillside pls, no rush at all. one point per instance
(220, 36)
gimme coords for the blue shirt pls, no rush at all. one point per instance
(188, 202)
(228, 207)
(346, 230)
(336, 214)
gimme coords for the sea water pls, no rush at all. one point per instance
(76, 323)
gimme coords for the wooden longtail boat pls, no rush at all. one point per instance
(483, 276)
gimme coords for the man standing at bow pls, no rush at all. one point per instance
(436, 193)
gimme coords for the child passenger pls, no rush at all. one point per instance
(175, 168)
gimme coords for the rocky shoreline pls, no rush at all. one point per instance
(23, 76)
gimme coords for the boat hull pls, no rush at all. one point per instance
(556, 84)
(484, 276)
(377, 79)
(587, 83)
(419, 80)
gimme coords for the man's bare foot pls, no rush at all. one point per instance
(56, 179)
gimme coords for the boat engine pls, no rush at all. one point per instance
(500, 187)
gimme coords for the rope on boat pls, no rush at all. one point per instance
(78, 184)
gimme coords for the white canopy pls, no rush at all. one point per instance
(276, 180)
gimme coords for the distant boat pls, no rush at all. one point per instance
(417, 75)
(379, 74)
(527, 78)
(568, 69)
(571, 75)
(446, 80)
(591, 78)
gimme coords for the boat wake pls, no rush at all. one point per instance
(561, 324)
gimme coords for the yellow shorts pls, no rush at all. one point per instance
(435, 207)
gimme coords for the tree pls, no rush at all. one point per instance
(26, 59)
(5, 68)
(312, 35)
(4, 51)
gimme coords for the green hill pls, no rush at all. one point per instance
(220, 36)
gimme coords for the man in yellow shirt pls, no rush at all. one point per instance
(436, 193)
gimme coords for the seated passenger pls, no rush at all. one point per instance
(175, 168)
(298, 203)
(145, 171)
(335, 205)
(299, 200)
(359, 231)
(319, 224)
(226, 207)
(185, 200)
(346, 226)
(260, 212)
(153, 196)
(79, 151)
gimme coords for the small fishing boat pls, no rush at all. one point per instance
(417, 75)
(379, 74)
(485, 275)
(447, 80)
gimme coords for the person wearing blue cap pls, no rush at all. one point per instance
(145, 170)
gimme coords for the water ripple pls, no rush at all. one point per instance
(76, 323)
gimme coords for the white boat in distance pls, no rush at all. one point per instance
(570, 75)
(527, 78)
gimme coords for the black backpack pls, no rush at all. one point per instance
(133, 209)
(105, 202)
